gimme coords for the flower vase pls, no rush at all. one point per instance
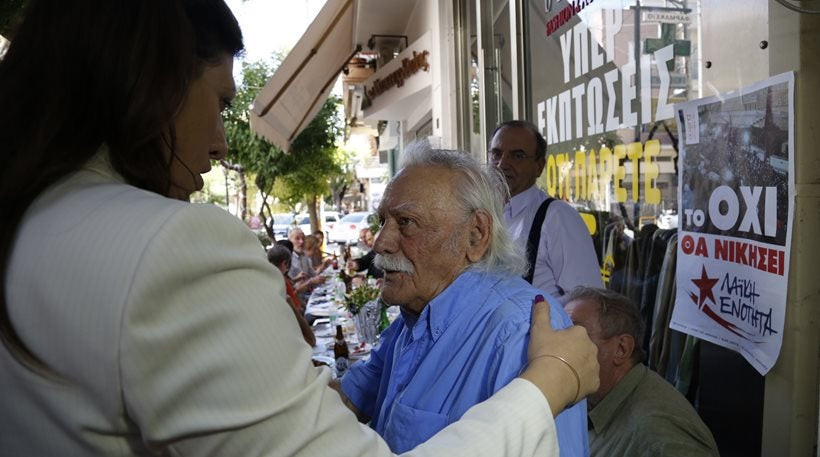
(366, 322)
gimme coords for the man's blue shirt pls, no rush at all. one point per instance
(467, 343)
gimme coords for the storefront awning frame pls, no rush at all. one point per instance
(301, 84)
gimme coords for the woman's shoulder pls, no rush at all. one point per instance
(117, 197)
(122, 215)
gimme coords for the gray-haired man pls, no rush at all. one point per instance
(463, 330)
(635, 412)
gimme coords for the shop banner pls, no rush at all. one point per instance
(736, 195)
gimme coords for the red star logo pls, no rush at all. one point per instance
(705, 285)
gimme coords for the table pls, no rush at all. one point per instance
(324, 310)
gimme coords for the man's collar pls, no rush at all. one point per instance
(409, 317)
(523, 200)
(602, 414)
(463, 293)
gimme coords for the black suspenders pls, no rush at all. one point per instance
(535, 237)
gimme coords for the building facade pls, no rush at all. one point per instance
(600, 79)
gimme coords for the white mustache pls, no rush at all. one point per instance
(394, 263)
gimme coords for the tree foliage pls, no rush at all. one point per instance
(341, 182)
(304, 173)
(248, 153)
(245, 147)
(313, 160)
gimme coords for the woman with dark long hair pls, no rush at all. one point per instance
(135, 323)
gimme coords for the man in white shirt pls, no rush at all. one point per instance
(565, 255)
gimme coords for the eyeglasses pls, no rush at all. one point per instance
(516, 156)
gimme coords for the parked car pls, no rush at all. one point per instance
(348, 228)
(282, 223)
(303, 222)
(330, 218)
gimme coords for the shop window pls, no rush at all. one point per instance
(603, 77)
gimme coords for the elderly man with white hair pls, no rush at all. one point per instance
(465, 310)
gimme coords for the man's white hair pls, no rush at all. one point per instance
(480, 188)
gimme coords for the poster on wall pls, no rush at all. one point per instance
(736, 196)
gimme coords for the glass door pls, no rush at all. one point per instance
(497, 51)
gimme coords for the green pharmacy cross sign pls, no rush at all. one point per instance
(680, 47)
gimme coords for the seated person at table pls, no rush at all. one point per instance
(465, 310)
(287, 244)
(313, 249)
(301, 268)
(280, 257)
(365, 262)
(300, 284)
(635, 412)
(319, 255)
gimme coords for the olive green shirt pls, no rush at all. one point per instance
(645, 416)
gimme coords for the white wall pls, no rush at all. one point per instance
(436, 16)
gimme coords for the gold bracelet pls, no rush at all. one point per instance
(577, 378)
